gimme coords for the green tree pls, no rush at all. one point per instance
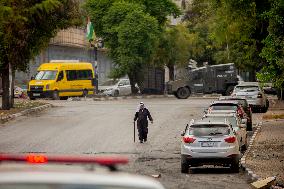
(130, 30)
(273, 51)
(176, 47)
(25, 29)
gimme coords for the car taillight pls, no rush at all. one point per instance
(259, 96)
(230, 139)
(188, 139)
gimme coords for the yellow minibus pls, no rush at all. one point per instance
(61, 79)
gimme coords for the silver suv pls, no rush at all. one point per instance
(254, 95)
(237, 123)
(209, 143)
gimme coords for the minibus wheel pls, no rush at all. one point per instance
(55, 95)
(85, 92)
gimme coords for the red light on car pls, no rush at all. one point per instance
(230, 139)
(36, 159)
(188, 139)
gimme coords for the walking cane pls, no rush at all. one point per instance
(134, 131)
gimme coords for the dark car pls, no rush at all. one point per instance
(245, 105)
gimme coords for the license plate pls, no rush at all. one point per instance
(36, 94)
(208, 144)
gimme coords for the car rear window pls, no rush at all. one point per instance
(209, 130)
(247, 88)
(224, 107)
(231, 119)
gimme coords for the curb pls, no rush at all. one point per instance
(253, 177)
(24, 112)
(108, 98)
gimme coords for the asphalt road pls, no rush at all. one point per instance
(90, 127)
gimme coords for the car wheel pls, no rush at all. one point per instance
(116, 93)
(183, 93)
(244, 147)
(55, 95)
(85, 93)
(32, 98)
(184, 165)
(249, 126)
(64, 98)
(235, 166)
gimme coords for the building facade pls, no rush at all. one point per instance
(69, 44)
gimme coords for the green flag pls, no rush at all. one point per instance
(90, 31)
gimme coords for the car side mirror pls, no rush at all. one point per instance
(33, 78)
(59, 79)
(94, 81)
(183, 132)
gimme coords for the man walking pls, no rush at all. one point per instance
(141, 115)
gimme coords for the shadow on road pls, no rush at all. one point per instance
(211, 170)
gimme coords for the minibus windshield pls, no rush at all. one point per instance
(46, 75)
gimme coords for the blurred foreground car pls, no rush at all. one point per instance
(38, 173)
(213, 143)
(254, 95)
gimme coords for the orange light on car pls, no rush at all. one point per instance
(36, 159)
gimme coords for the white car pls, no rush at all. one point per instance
(37, 174)
(254, 95)
(18, 92)
(206, 143)
(115, 87)
(239, 126)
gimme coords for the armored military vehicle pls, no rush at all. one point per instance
(219, 78)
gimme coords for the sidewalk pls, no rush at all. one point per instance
(266, 157)
(22, 107)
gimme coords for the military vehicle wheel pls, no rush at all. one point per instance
(229, 90)
(183, 93)
(63, 97)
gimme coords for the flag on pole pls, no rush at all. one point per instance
(90, 31)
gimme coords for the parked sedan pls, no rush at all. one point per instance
(206, 142)
(115, 87)
(254, 95)
(230, 105)
(245, 105)
(238, 125)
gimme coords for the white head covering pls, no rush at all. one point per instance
(139, 106)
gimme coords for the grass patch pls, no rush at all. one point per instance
(20, 106)
(273, 116)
